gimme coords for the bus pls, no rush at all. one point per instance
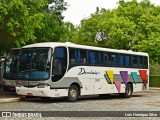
(10, 70)
(1, 69)
(52, 69)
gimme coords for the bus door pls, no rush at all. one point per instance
(59, 64)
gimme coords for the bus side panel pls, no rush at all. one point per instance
(8, 85)
(86, 86)
(104, 80)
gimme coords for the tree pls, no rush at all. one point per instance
(29, 21)
(91, 28)
(57, 7)
(145, 17)
(132, 25)
(52, 24)
(69, 33)
(18, 20)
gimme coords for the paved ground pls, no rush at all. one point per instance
(142, 101)
(9, 97)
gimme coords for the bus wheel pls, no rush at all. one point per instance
(128, 91)
(73, 93)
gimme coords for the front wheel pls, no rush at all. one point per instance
(73, 93)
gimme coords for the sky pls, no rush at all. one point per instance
(80, 9)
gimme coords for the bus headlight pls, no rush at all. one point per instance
(3, 82)
(18, 85)
(42, 85)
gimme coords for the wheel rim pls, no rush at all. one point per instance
(128, 91)
(73, 93)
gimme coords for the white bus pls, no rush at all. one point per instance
(10, 70)
(69, 70)
(1, 69)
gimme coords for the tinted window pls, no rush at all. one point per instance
(127, 60)
(139, 62)
(99, 58)
(59, 63)
(77, 56)
(145, 62)
(134, 61)
(114, 59)
(121, 62)
(92, 57)
(108, 59)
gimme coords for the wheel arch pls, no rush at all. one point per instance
(78, 86)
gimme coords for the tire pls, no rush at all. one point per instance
(128, 91)
(73, 93)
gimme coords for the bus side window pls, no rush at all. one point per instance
(92, 57)
(121, 60)
(99, 58)
(71, 56)
(127, 59)
(115, 59)
(83, 57)
(77, 56)
(139, 62)
(145, 62)
(108, 59)
(134, 61)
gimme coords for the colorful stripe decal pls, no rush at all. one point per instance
(110, 75)
(143, 74)
(118, 85)
(134, 76)
(124, 75)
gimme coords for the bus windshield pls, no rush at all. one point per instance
(10, 64)
(34, 63)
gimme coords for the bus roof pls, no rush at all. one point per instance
(69, 44)
(15, 48)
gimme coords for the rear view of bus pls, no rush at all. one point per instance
(10, 70)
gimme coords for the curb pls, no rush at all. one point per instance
(6, 97)
(154, 88)
(7, 100)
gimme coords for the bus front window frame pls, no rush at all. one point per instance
(33, 72)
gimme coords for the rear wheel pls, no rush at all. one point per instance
(73, 93)
(128, 91)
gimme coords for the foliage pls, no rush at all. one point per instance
(132, 25)
(57, 7)
(69, 33)
(28, 21)
(154, 68)
(18, 20)
(52, 24)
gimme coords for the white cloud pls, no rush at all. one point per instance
(79, 9)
